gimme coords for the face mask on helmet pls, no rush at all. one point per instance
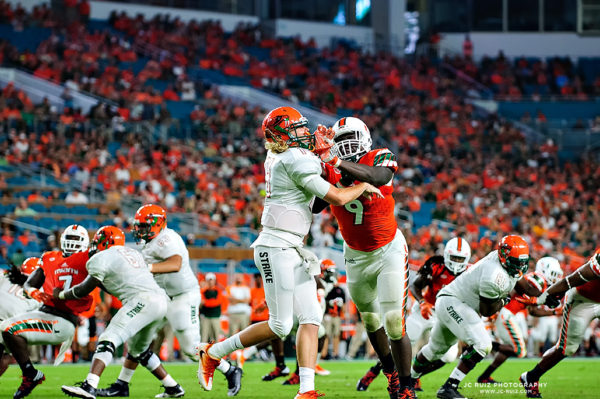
(457, 253)
(516, 266)
(352, 139)
(74, 239)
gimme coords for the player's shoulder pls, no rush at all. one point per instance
(51, 256)
(78, 258)
(380, 157)
(432, 264)
(537, 280)
(295, 154)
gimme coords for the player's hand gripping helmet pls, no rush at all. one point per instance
(457, 253)
(106, 237)
(29, 265)
(284, 125)
(513, 253)
(550, 268)
(352, 139)
(328, 270)
(75, 238)
(149, 220)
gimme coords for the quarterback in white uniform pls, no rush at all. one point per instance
(123, 272)
(12, 300)
(293, 180)
(482, 290)
(168, 259)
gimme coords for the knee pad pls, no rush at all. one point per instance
(281, 328)
(104, 352)
(472, 357)
(371, 321)
(394, 324)
(188, 341)
(147, 359)
(569, 350)
(483, 347)
(451, 355)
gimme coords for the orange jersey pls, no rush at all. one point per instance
(260, 311)
(590, 290)
(535, 279)
(65, 273)
(368, 224)
(438, 276)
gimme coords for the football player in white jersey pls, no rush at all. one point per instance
(293, 180)
(12, 300)
(122, 272)
(168, 259)
(547, 327)
(482, 290)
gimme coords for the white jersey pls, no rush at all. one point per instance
(123, 273)
(166, 244)
(12, 300)
(486, 278)
(293, 179)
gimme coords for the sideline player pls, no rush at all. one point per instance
(168, 259)
(375, 250)
(292, 181)
(482, 290)
(512, 337)
(437, 272)
(582, 305)
(12, 300)
(55, 321)
(122, 272)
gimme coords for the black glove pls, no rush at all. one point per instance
(15, 276)
(553, 301)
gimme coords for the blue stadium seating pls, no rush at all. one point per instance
(223, 241)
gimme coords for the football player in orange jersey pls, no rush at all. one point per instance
(582, 305)
(375, 250)
(55, 321)
(437, 272)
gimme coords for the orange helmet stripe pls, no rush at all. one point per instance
(459, 245)
(342, 122)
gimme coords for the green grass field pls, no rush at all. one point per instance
(570, 379)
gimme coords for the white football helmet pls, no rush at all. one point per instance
(550, 269)
(352, 139)
(75, 238)
(457, 254)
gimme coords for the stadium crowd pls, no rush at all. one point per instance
(477, 170)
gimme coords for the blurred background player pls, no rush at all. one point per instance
(375, 250)
(238, 310)
(512, 336)
(123, 272)
(211, 309)
(482, 290)
(293, 180)
(546, 329)
(582, 305)
(12, 300)
(168, 260)
(437, 272)
(55, 321)
(335, 298)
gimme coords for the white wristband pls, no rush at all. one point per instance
(61, 295)
(337, 163)
(150, 266)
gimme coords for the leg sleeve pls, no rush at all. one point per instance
(182, 315)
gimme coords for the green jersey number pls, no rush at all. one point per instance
(355, 207)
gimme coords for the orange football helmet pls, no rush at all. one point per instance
(513, 252)
(106, 237)
(328, 270)
(281, 125)
(29, 265)
(149, 220)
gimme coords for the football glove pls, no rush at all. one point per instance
(551, 301)
(426, 310)
(15, 275)
(39, 296)
(324, 144)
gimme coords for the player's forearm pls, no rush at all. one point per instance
(416, 292)
(375, 175)
(341, 196)
(579, 277)
(169, 265)
(80, 290)
(35, 280)
(538, 312)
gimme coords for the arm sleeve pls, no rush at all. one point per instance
(494, 287)
(171, 244)
(306, 173)
(96, 268)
